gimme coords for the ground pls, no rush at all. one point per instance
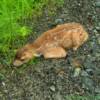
(54, 79)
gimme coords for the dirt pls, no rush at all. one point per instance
(54, 79)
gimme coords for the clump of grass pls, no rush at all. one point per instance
(10, 12)
(13, 10)
(78, 97)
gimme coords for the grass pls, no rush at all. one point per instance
(77, 97)
(13, 30)
(12, 11)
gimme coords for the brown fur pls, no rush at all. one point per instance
(53, 43)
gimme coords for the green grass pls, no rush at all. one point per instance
(78, 97)
(13, 30)
(12, 11)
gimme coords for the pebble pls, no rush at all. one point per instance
(59, 21)
(3, 84)
(95, 31)
(52, 88)
(77, 72)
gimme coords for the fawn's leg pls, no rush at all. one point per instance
(55, 52)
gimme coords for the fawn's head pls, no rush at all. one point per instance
(23, 55)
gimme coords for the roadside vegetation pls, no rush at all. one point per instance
(13, 17)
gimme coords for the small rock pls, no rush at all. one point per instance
(59, 21)
(97, 28)
(52, 88)
(77, 71)
(3, 83)
(95, 31)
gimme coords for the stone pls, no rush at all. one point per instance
(52, 88)
(59, 21)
